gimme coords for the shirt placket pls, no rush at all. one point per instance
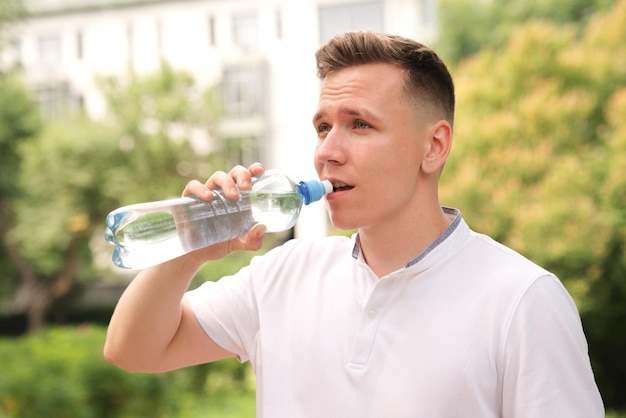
(370, 321)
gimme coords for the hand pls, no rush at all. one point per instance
(230, 183)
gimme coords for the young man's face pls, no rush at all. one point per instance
(371, 143)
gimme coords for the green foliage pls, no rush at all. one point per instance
(77, 170)
(19, 122)
(9, 11)
(232, 404)
(63, 177)
(538, 163)
(468, 26)
(61, 373)
(162, 119)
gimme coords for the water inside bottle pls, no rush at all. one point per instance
(277, 211)
(144, 237)
(133, 233)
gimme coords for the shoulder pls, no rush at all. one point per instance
(492, 256)
(496, 274)
(534, 296)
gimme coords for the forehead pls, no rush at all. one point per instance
(370, 89)
(367, 79)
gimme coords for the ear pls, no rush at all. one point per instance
(438, 146)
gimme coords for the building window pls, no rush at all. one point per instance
(50, 51)
(16, 48)
(242, 149)
(211, 30)
(429, 12)
(279, 25)
(79, 45)
(246, 30)
(350, 17)
(130, 42)
(243, 91)
(55, 100)
(158, 29)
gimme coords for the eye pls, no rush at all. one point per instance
(359, 124)
(323, 127)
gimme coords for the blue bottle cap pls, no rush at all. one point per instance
(313, 190)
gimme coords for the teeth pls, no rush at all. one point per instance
(338, 185)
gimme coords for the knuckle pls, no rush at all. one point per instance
(237, 169)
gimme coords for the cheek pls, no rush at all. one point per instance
(397, 171)
(410, 155)
(399, 160)
(317, 164)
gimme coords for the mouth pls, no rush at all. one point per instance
(339, 186)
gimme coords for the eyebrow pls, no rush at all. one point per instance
(347, 111)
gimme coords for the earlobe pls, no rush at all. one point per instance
(439, 145)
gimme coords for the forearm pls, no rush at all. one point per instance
(148, 316)
(152, 329)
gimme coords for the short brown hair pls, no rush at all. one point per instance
(426, 74)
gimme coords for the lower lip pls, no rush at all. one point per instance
(337, 194)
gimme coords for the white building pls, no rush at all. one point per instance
(261, 51)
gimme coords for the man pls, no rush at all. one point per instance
(415, 316)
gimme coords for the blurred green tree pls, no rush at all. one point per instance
(78, 170)
(18, 124)
(9, 11)
(467, 26)
(539, 158)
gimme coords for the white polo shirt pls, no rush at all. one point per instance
(468, 329)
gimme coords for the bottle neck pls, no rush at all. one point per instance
(313, 190)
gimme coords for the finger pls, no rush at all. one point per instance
(256, 169)
(238, 178)
(195, 188)
(253, 241)
(223, 181)
(255, 237)
(242, 177)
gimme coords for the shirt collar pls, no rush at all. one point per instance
(455, 214)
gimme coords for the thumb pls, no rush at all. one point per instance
(254, 240)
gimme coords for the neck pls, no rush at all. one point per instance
(389, 247)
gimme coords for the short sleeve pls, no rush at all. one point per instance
(227, 311)
(547, 371)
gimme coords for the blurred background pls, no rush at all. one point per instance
(105, 103)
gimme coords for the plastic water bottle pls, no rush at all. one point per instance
(147, 234)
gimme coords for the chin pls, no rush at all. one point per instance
(343, 224)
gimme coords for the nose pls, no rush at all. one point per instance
(331, 148)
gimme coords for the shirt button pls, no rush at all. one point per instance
(371, 314)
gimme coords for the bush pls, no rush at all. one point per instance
(61, 372)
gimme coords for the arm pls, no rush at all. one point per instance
(153, 329)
